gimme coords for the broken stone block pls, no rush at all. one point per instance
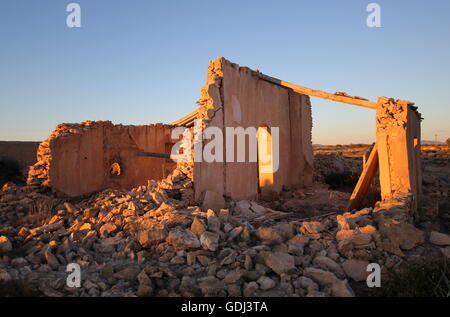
(250, 289)
(344, 234)
(213, 221)
(360, 239)
(440, 239)
(399, 235)
(342, 289)
(269, 235)
(329, 264)
(5, 244)
(446, 252)
(320, 276)
(258, 209)
(243, 208)
(107, 229)
(150, 237)
(266, 283)
(356, 270)
(182, 239)
(198, 227)
(311, 229)
(279, 262)
(209, 240)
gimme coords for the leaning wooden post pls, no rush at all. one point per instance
(365, 180)
(398, 141)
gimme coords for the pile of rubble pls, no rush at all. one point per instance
(154, 241)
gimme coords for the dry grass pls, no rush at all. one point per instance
(41, 211)
(429, 278)
(17, 288)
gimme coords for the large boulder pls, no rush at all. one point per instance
(279, 262)
(150, 237)
(356, 269)
(320, 276)
(5, 244)
(396, 236)
(438, 238)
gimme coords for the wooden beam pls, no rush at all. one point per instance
(322, 94)
(152, 154)
(365, 180)
(187, 120)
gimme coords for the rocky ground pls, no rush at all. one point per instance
(154, 241)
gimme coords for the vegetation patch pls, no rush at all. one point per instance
(17, 288)
(343, 180)
(10, 170)
(428, 278)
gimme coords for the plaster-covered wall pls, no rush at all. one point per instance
(398, 139)
(235, 96)
(76, 159)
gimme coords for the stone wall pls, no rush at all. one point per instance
(79, 159)
(235, 96)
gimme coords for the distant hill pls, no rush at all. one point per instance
(23, 152)
(432, 142)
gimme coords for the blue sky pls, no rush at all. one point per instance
(140, 62)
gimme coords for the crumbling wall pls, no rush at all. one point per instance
(235, 96)
(398, 139)
(79, 159)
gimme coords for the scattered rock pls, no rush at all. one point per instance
(360, 239)
(266, 283)
(311, 229)
(107, 229)
(4, 276)
(446, 252)
(250, 289)
(356, 269)
(210, 285)
(320, 276)
(399, 235)
(183, 239)
(51, 259)
(150, 237)
(342, 289)
(440, 239)
(243, 208)
(129, 273)
(209, 240)
(329, 264)
(257, 209)
(269, 235)
(279, 262)
(5, 244)
(197, 227)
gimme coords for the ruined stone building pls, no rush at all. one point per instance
(79, 159)
(237, 97)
